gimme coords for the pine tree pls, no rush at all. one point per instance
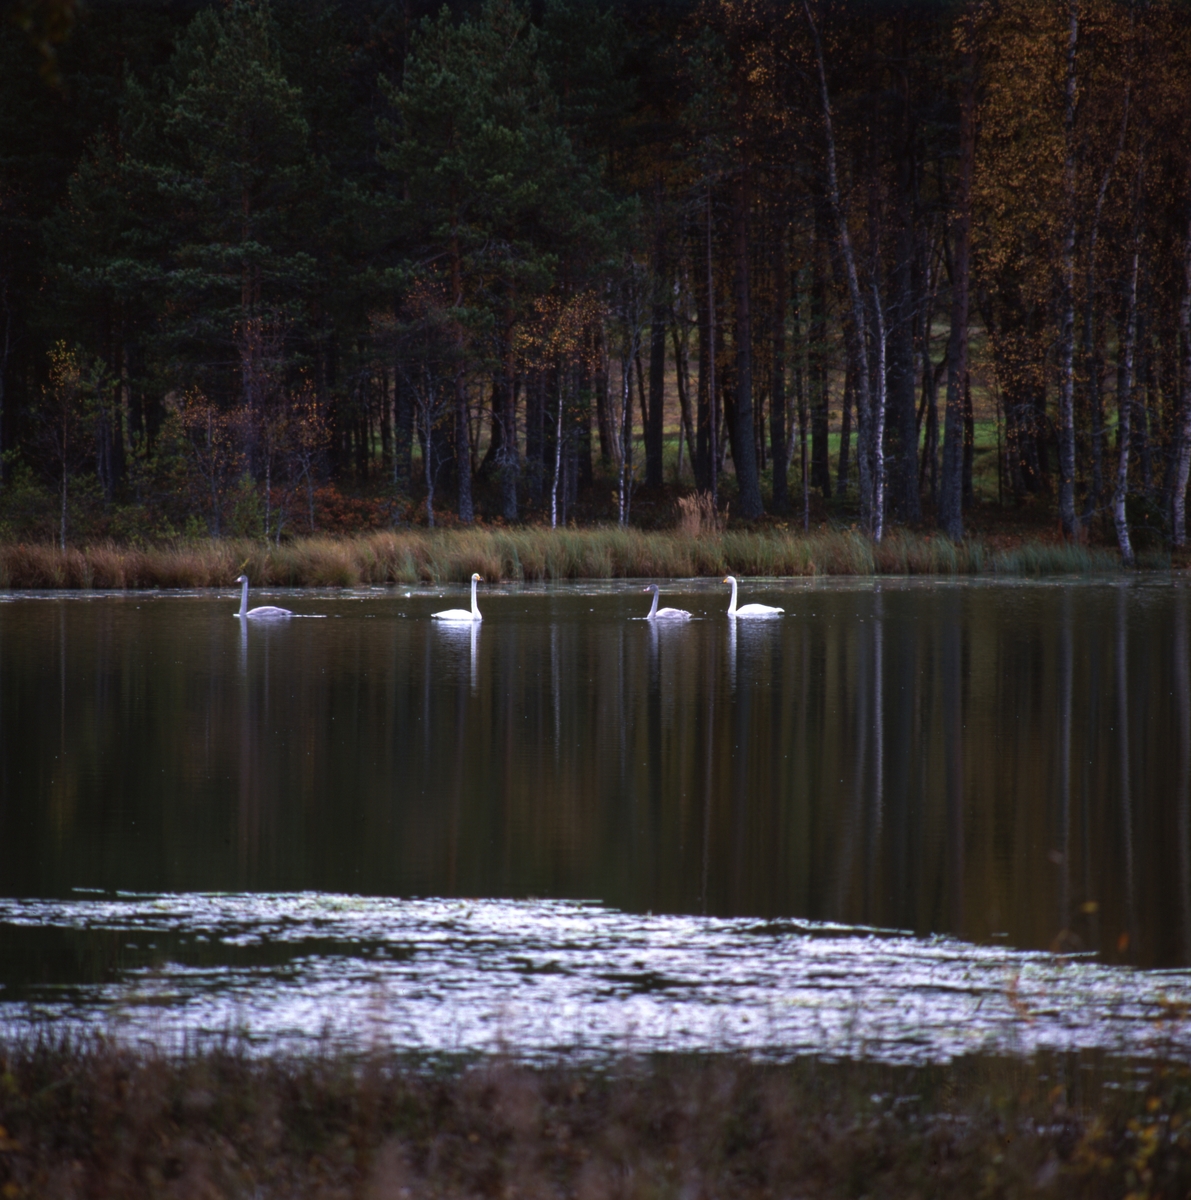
(493, 196)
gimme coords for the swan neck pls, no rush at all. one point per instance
(654, 606)
(475, 608)
(732, 606)
(244, 599)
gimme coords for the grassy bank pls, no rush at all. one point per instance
(97, 1121)
(530, 554)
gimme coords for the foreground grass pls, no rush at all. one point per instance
(95, 1120)
(528, 554)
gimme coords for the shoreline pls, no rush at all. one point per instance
(529, 554)
(92, 1117)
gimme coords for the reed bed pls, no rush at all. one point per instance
(450, 556)
(93, 1119)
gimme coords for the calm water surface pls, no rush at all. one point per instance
(569, 828)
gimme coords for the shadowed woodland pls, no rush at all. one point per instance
(317, 267)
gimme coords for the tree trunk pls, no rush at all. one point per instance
(1124, 411)
(626, 432)
(1092, 361)
(462, 416)
(463, 450)
(879, 423)
(557, 463)
(845, 428)
(655, 418)
(744, 450)
(386, 424)
(1066, 413)
(1183, 448)
(5, 349)
(903, 423)
(403, 432)
(951, 481)
(712, 350)
(777, 387)
(682, 373)
(803, 415)
(1140, 391)
(603, 401)
(508, 461)
(817, 364)
(858, 327)
(538, 446)
(701, 460)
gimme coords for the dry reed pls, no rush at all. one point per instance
(527, 553)
(93, 1119)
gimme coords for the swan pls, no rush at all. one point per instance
(266, 612)
(461, 614)
(749, 610)
(664, 614)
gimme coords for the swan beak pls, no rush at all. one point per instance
(725, 579)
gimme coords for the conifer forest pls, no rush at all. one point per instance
(272, 268)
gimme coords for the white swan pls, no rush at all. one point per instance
(749, 610)
(664, 614)
(266, 612)
(461, 614)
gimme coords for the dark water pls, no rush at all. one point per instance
(1005, 764)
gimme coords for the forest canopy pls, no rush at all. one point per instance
(268, 268)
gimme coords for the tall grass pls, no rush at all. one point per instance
(97, 1120)
(1047, 558)
(444, 556)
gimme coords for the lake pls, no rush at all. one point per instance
(907, 819)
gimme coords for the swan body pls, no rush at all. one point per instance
(749, 610)
(460, 615)
(664, 614)
(266, 612)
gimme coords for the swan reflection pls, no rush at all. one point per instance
(463, 638)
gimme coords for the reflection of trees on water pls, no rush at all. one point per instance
(1128, 940)
(973, 760)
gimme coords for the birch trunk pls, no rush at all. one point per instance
(879, 424)
(1183, 462)
(557, 462)
(1124, 412)
(859, 326)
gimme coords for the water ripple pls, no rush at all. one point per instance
(542, 978)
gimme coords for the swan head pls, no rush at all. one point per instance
(476, 577)
(650, 587)
(729, 579)
(241, 578)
